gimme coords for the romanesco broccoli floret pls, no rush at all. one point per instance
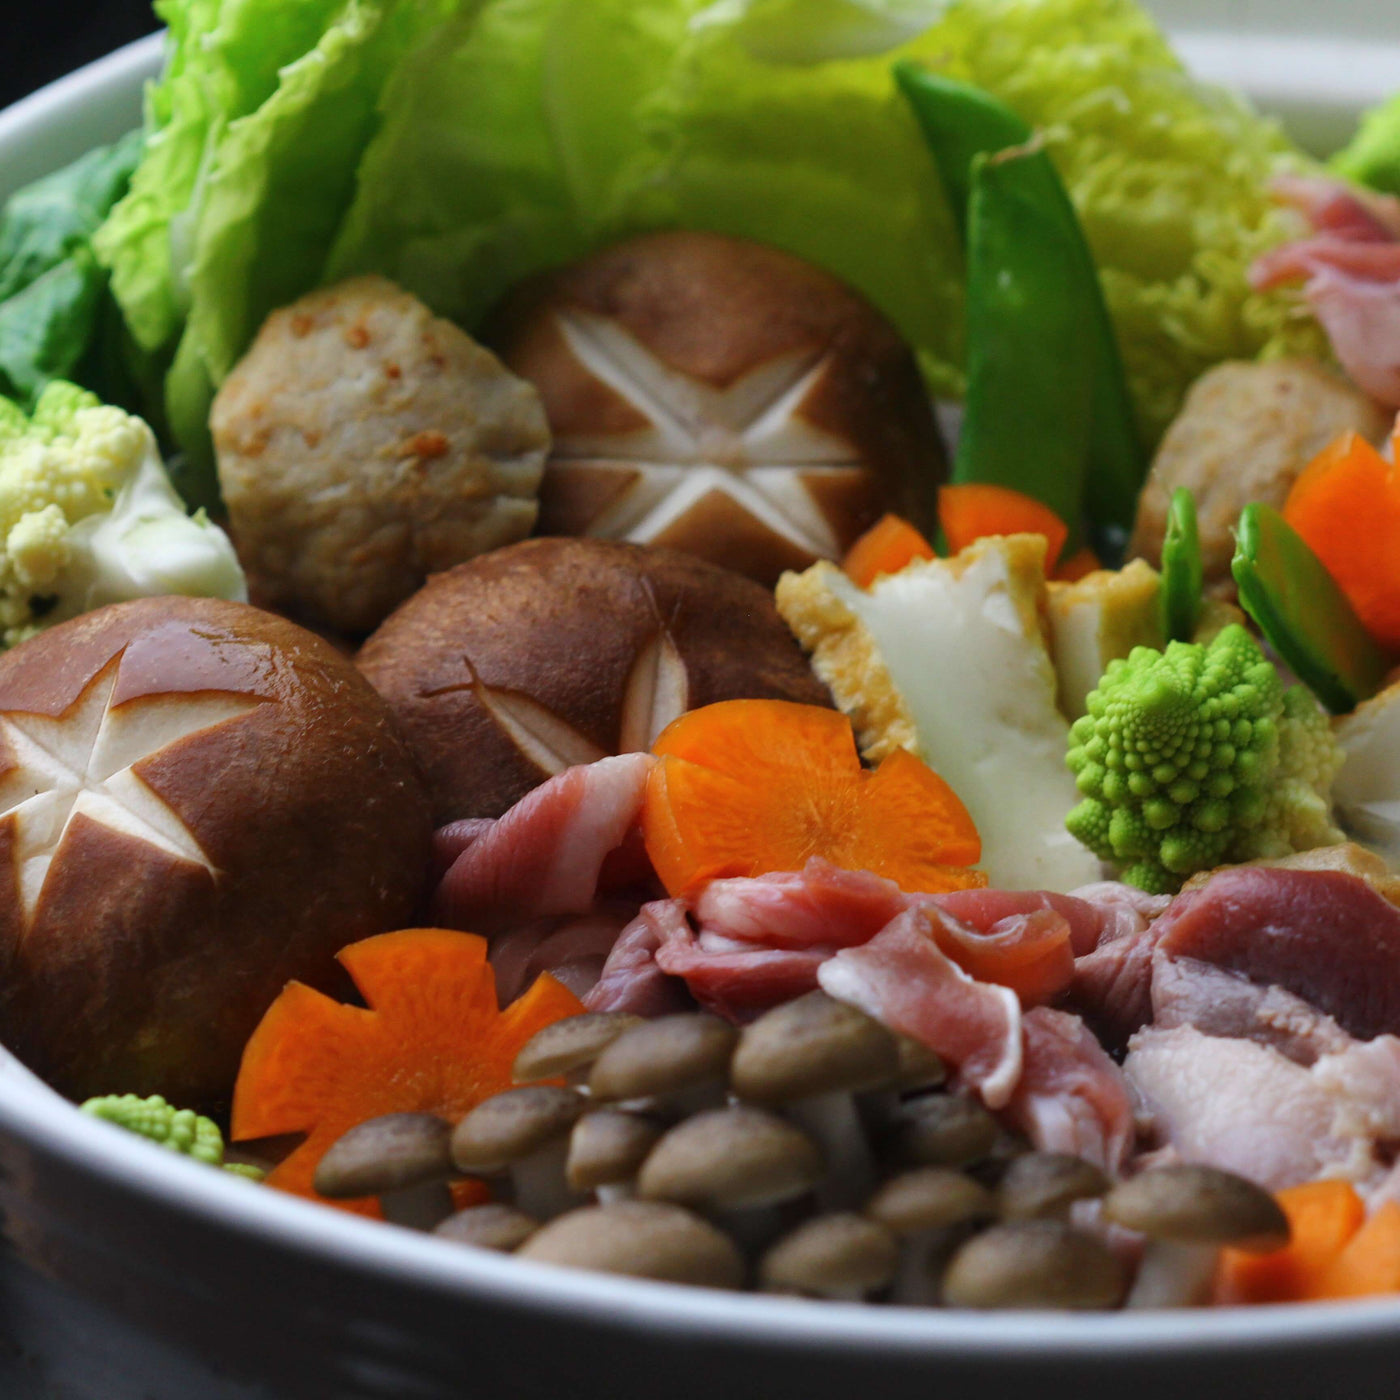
(88, 516)
(1197, 757)
(179, 1129)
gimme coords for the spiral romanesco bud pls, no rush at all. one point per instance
(1176, 756)
(179, 1129)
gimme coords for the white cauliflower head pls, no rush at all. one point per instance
(88, 516)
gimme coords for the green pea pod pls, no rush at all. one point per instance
(1287, 590)
(1029, 385)
(1183, 574)
(959, 122)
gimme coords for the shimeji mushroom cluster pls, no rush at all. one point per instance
(812, 1152)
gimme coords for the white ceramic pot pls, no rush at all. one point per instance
(126, 1272)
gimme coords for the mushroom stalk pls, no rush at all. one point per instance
(1174, 1276)
(420, 1207)
(834, 1123)
(537, 1184)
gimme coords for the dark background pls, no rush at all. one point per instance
(56, 36)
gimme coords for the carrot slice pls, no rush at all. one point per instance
(885, 548)
(750, 786)
(972, 510)
(1080, 564)
(1346, 506)
(431, 1041)
(1323, 1216)
(1370, 1262)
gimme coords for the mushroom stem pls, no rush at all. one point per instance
(420, 1207)
(537, 1184)
(833, 1122)
(1174, 1275)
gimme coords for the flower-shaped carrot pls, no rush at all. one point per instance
(1346, 505)
(745, 787)
(431, 1040)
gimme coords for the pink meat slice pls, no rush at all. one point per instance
(1242, 1106)
(547, 856)
(817, 906)
(573, 949)
(902, 978)
(630, 979)
(1350, 269)
(1326, 937)
(1071, 1097)
(998, 911)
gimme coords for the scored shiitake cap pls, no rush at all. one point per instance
(646, 1239)
(812, 1045)
(664, 1056)
(562, 1047)
(490, 1226)
(385, 1154)
(514, 1125)
(607, 1147)
(510, 668)
(841, 1255)
(1196, 1204)
(730, 1159)
(719, 396)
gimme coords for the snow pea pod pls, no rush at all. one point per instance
(1029, 385)
(1182, 570)
(960, 121)
(1286, 589)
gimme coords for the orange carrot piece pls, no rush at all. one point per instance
(1323, 1216)
(1370, 1262)
(971, 511)
(1346, 506)
(431, 1041)
(1080, 564)
(745, 787)
(885, 548)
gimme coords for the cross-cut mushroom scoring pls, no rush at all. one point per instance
(555, 652)
(720, 397)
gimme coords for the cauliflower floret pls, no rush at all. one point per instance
(948, 658)
(1197, 757)
(88, 516)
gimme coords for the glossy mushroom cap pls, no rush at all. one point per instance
(491, 1226)
(1199, 1205)
(1044, 1185)
(571, 1044)
(385, 1154)
(668, 1055)
(813, 1045)
(930, 1198)
(730, 1159)
(722, 397)
(646, 1239)
(834, 1256)
(608, 1147)
(512, 1126)
(233, 805)
(554, 652)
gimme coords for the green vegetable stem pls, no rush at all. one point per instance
(961, 122)
(1029, 383)
(1182, 570)
(1288, 591)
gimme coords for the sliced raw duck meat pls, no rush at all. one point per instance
(819, 906)
(1216, 1002)
(573, 949)
(1113, 978)
(1024, 944)
(1328, 938)
(630, 979)
(903, 979)
(1245, 1107)
(547, 855)
(1071, 1097)
(1350, 269)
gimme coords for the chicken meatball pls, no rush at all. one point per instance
(1245, 433)
(364, 444)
